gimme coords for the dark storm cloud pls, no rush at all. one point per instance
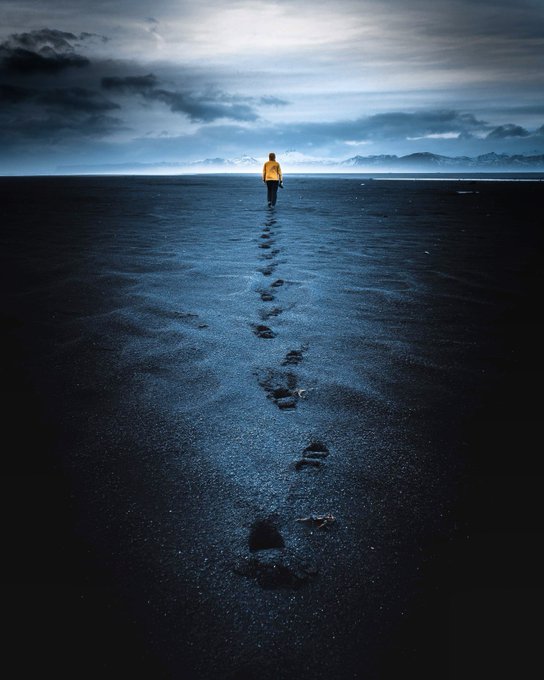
(12, 94)
(56, 129)
(25, 61)
(42, 51)
(203, 107)
(394, 126)
(90, 36)
(397, 125)
(75, 99)
(35, 115)
(45, 37)
(64, 101)
(132, 84)
(509, 130)
(44, 104)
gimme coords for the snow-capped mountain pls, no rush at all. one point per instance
(428, 161)
(245, 161)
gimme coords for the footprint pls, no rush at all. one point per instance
(283, 398)
(265, 235)
(281, 388)
(264, 246)
(294, 356)
(278, 283)
(312, 456)
(268, 270)
(266, 296)
(316, 449)
(264, 535)
(269, 563)
(263, 331)
(267, 314)
(269, 256)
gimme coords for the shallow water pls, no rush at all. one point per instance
(175, 347)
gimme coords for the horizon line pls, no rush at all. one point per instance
(487, 175)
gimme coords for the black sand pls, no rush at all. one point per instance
(180, 391)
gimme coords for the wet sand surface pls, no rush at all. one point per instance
(190, 374)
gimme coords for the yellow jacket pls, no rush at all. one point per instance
(272, 170)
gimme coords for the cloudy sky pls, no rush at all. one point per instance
(102, 82)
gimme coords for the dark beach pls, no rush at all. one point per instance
(189, 373)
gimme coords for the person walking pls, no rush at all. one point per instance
(273, 178)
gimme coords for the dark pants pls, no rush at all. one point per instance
(272, 185)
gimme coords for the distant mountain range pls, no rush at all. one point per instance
(414, 162)
(427, 161)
